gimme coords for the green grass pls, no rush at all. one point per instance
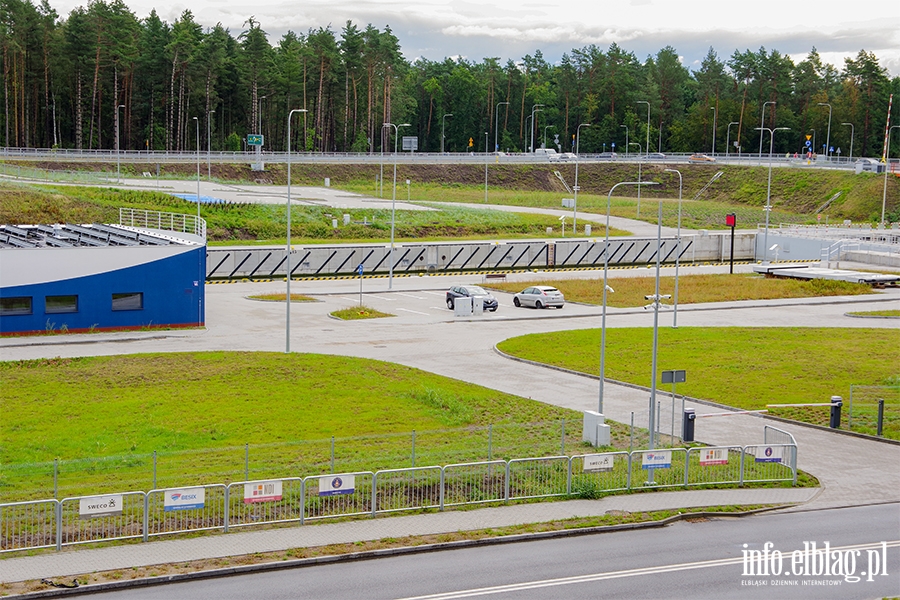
(630, 291)
(359, 312)
(876, 313)
(281, 297)
(740, 367)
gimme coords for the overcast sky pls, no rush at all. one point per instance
(509, 29)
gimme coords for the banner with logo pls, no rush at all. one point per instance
(262, 491)
(596, 463)
(336, 485)
(185, 499)
(713, 456)
(100, 506)
(769, 453)
(656, 459)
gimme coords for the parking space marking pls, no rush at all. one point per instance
(414, 311)
(435, 293)
(380, 297)
(410, 296)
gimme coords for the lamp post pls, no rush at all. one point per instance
(640, 164)
(606, 287)
(626, 139)
(887, 162)
(534, 109)
(287, 326)
(762, 118)
(715, 119)
(485, 166)
(768, 207)
(497, 125)
(393, 200)
(201, 275)
(728, 138)
(546, 127)
(208, 146)
(648, 124)
(575, 189)
(117, 141)
(443, 124)
(851, 139)
(197, 121)
(828, 135)
(678, 251)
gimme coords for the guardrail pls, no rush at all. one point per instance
(162, 221)
(160, 512)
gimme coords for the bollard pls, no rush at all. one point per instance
(687, 433)
(835, 420)
(880, 416)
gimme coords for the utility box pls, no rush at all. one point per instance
(328, 182)
(594, 429)
(568, 202)
(587, 230)
(477, 306)
(462, 307)
(346, 219)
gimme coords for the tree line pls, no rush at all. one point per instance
(102, 76)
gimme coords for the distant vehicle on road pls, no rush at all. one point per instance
(548, 153)
(608, 155)
(565, 156)
(701, 158)
(656, 155)
(472, 291)
(540, 296)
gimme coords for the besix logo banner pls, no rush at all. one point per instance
(186, 499)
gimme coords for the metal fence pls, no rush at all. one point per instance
(164, 221)
(159, 512)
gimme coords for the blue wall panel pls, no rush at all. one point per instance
(173, 291)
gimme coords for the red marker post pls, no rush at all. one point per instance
(731, 221)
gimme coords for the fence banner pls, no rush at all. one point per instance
(262, 491)
(769, 453)
(656, 459)
(335, 485)
(100, 506)
(713, 456)
(598, 463)
(186, 499)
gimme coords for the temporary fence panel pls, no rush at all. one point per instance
(773, 435)
(178, 510)
(714, 465)
(594, 473)
(474, 483)
(106, 517)
(28, 525)
(405, 489)
(338, 495)
(645, 464)
(537, 477)
(264, 501)
(772, 462)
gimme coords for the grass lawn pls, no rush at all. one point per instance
(630, 291)
(356, 313)
(876, 313)
(281, 297)
(741, 367)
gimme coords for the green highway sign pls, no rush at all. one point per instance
(254, 139)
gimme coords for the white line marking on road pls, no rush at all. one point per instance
(380, 297)
(411, 296)
(414, 311)
(436, 293)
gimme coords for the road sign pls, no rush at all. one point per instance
(674, 376)
(808, 144)
(809, 137)
(471, 142)
(410, 142)
(254, 139)
(359, 269)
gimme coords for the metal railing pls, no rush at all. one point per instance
(163, 221)
(159, 512)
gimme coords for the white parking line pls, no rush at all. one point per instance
(435, 293)
(380, 297)
(410, 296)
(414, 311)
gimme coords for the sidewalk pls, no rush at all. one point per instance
(74, 561)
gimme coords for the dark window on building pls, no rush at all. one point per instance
(130, 301)
(20, 305)
(61, 304)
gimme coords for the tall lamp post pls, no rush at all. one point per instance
(393, 200)
(715, 119)
(851, 139)
(647, 147)
(497, 125)
(828, 135)
(762, 118)
(208, 145)
(197, 122)
(728, 138)
(606, 287)
(768, 207)
(887, 162)
(626, 139)
(575, 189)
(534, 109)
(678, 251)
(546, 127)
(443, 125)
(485, 165)
(287, 299)
(640, 164)
(117, 141)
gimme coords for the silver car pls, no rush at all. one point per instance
(540, 296)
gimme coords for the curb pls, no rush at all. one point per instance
(374, 554)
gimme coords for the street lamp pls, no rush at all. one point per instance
(287, 327)
(640, 164)
(606, 287)
(117, 141)
(887, 162)
(828, 136)
(678, 251)
(197, 121)
(768, 207)
(762, 118)
(485, 165)
(259, 114)
(648, 124)
(443, 124)
(546, 127)
(851, 140)
(393, 200)
(728, 138)
(626, 139)
(534, 109)
(575, 189)
(497, 125)
(715, 119)
(208, 146)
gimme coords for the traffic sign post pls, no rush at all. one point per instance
(731, 221)
(254, 139)
(673, 377)
(359, 270)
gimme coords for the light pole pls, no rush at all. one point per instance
(728, 138)
(497, 125)
(887, 162)
(485, 165)
(606, 287)
(678, 251)
(208, 146)
(287, 326)
(117, 142)
(443, 124)
(715, 119)
(626, 139)
(828, 135)
(197, 121)
(534, 109)
(575, 189)
(546, 127)
(393, 200)
(640, 164)
(851, 139)
(814, 147)
(762, 118)
(768, 207)
(259, 114)
(648, 124)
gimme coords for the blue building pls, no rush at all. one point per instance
(148, 271)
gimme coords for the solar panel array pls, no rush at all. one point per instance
(72, 236)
